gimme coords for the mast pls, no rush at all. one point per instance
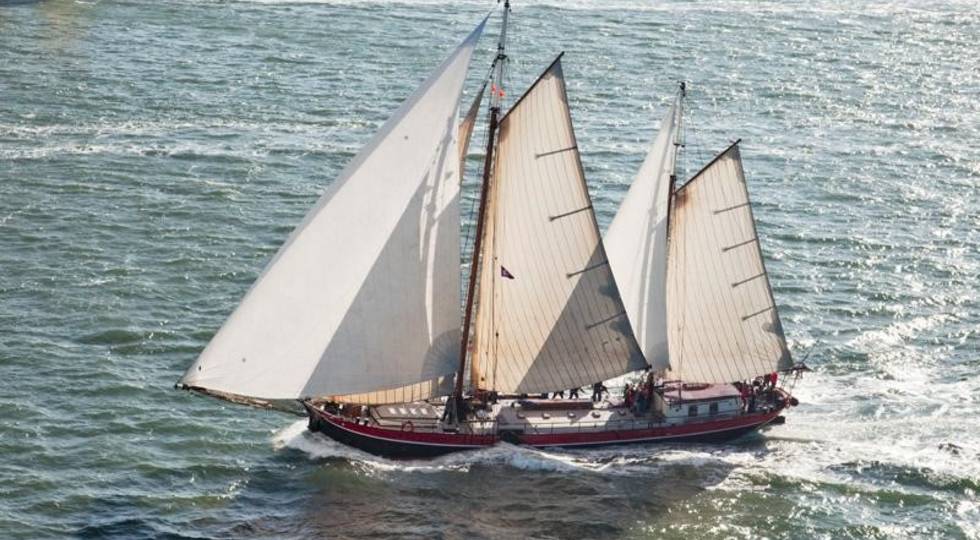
(681, 94)
(679, 116)
(496, 94)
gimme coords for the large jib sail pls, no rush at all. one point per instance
(549, 314)
(364, 295)
(723, 324)
(636, 243)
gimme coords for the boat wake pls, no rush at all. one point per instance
(623, 460)
(830, 443)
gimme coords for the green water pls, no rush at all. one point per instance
(153, 155)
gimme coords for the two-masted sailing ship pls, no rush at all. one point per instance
(358, 317)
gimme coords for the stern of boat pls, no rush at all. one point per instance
(398, 431)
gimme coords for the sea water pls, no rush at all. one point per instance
(153, 155)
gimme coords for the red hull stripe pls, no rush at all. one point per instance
(450, 440)
(640, 435)
(410, 437)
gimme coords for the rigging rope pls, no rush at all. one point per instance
(466, 246)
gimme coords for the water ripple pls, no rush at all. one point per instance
(154, 155)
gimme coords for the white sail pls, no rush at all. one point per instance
(723, 321)
(636, 243)
(549, 316)
(364, 295)
(466, 128)
(439, 386)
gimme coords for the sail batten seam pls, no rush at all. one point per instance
(584, 270)
(746, 280)
(760, 312)
(553, 152)
(738, 245)
(570, 213)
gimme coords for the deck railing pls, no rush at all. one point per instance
(550, 426)
(561, 423)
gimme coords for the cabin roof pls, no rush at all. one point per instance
(710, 392)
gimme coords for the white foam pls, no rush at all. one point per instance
(317, 446)
(611, 460)
(854, 430)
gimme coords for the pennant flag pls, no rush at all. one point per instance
(505, 274)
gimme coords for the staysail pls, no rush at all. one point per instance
(549, 314)
(466, 127)
(364, 295)
(636, 243)
(723, 324)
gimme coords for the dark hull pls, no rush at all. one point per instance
(389, 443)
(402, 444)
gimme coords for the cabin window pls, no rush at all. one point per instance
(692, 410)
(713, 408)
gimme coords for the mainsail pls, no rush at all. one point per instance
(723, 324)
(549, 314)
(636, 243)
(364, 295)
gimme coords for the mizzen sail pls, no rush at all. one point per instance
(723, 324)
(549, 314)
(636, 243)
(364, 295)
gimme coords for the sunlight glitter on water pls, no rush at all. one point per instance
(154, 155)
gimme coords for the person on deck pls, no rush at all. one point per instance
(573, 393)
(558, 395)
(597, 391)
(642, 404)
(771, 392)
(643, 396)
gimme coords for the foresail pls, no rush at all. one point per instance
(549, 314)
(466, 128)
(364, 295)
(722, 317)
(636, 243)
(439, 386)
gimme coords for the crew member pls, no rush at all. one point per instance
(597, 390)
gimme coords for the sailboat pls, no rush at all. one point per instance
(359, 318)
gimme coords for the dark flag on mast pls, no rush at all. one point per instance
(505, 274)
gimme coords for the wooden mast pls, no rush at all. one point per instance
(678, 144)
(682, 93)
(495, 97)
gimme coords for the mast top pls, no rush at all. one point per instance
(678, 143)
(496, 96)
(497, 93)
